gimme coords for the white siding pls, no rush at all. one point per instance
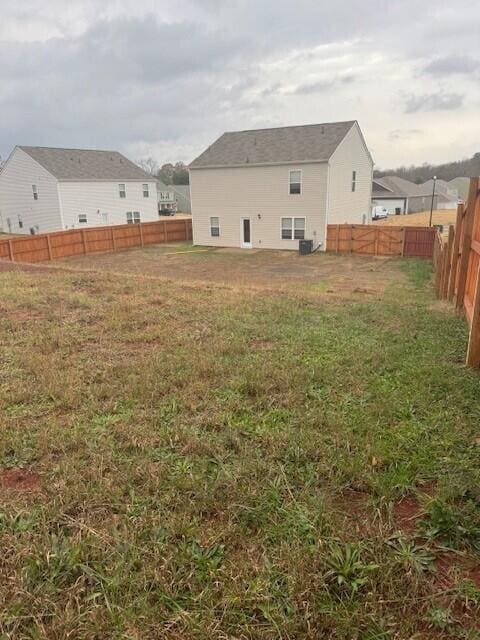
(345, 205)
(261, 193)
(390, 204)
(16, 196)
(97, 198)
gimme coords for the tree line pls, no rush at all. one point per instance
(168, 173)
(469, 168)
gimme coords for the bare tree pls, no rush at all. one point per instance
(149, 165)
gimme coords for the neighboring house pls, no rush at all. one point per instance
(182, 197)
(269, 188)
(401, 196)
(447, 193)
(173, 197)
(462, 185)
(44, 189)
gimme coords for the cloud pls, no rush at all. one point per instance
(165, 79)
(453, 64)
(405, 134)
(322, 85)
(434, 102)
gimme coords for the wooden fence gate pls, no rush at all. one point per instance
(457, 264)
(380, 240)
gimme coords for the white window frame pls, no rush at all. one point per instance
(213, 235)
(82, 215)
(35, 191)
(135, 217)
(122, 191)
(354, 181)
(290, 182)
(145, 189)
(293, 218)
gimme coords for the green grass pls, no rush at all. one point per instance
(219, 463)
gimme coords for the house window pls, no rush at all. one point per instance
(215, 227)
(295, 186)
(82, 218)
(293, 228)
(354, 180)
(122, 191)
(35, 191)
(145, 190)
(20, 222)
(133, 217)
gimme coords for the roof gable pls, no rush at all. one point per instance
(283, 145)
(85, 164)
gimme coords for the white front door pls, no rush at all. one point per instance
(246, 233)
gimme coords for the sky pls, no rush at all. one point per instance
(165, 79)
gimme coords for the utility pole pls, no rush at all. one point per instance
(433, 198)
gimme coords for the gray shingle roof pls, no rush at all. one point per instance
(86, 164)
(399, 187)
(306, 143)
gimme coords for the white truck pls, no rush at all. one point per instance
(379, 212)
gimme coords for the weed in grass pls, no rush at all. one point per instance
(347, 571)
(414, 559)
(454, 524)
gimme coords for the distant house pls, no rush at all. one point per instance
(270, 188)
(401, 196)
(462, 185)
(173, 197)
(447, 193)
(44, 189)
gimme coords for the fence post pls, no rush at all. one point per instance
(10, 250)
(112, 235)
(375, 243)
(448, 262)
(473, 353)
(49, 247)
(350, 244)
(84, 242)
(186, 229)
(165, 231)
(456, 244)
(404, 235)
(466, 242)
(141, 234)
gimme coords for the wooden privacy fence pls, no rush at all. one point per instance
(378, 240)
(74, 242)
(457, 262)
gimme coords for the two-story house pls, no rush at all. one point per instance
(44, 189)
(270, 188)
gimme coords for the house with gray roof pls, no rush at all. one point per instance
(270, 188)
(173, 197)
(399, 196)
(43, 189)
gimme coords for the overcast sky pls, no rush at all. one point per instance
(165, 79)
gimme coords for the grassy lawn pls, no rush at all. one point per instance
(215, 462)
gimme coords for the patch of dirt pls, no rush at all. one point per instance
(452, 567)
(19, 480)
(406, 513)
(408, 510)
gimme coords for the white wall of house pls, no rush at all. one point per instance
(348, 203)
(260, 193)
(102, 204)
(19, 211)
(391, 205)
